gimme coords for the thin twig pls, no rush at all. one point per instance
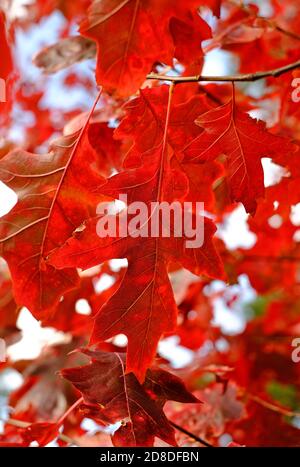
(291, 34)
(70, 409)
(274, 408)
(228, 78)
(191, 435)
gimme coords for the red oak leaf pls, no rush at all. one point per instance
(55, 194)
(22, 434)
(123, 31)
(144, 122)
(43, 433)
(244, 141)
(147, 310)
(112, 395)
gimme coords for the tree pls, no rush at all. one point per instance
(163, 138)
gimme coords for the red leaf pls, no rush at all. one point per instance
(132, 35)
(143, 307)
(54, 196)
(245, 142)
(43, 433)
(112, 395)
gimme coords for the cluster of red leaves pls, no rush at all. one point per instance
(183, 142)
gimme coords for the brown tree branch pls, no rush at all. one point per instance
(228, 78)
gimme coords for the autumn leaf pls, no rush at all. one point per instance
(54, 196)
(123, 31)
(111, 395)
(43, 433)
(244, 141)
(65, 53)
(143, 127)
(147, 310)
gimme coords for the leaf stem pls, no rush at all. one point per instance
(70, 409)
(191, 435)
